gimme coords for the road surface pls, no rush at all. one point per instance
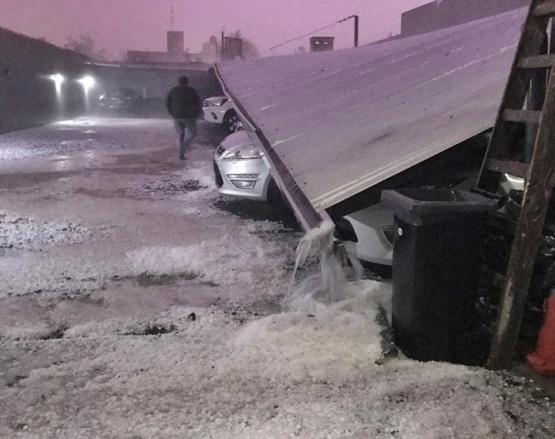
(136, 304)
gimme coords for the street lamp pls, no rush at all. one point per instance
(58, 79)
(87, 82)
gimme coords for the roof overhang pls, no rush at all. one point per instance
(336, 123)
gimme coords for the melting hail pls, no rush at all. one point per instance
(319, 242)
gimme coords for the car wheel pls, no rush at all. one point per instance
(232, 122)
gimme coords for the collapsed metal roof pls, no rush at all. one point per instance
(336, 123)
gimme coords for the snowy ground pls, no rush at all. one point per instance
(134, 304)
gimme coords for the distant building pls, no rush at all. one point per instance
(232, 48)
(210, 50)
(176, 47)
(29, 94)
(446, 13)
(320, 44)
(176, 53)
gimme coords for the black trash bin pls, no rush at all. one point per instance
(436, 262)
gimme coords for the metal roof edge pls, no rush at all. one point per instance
(307, 216)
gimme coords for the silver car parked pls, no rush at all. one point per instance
(241, 169)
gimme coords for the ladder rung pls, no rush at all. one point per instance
(537, 62)
(522, 116)
(516, 169)
(546, 8)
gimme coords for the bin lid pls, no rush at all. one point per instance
(429, 205)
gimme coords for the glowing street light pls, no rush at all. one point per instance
(87, 82)
(58, 79)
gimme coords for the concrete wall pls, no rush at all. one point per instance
(28, 96)
(446, 13)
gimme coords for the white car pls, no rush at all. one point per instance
(220, 110)
(371, 234)
(241, 169)
(368, 233)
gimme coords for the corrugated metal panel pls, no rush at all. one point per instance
(343, 121)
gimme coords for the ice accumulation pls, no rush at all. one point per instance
(15, 153)
(196, 177)
(221, 260)
(194, 185)
(237, 258)
(81, 135)
(169, 186)
(20, 233)
(312, 369)
(308, 372)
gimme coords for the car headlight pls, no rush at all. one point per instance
(218, 103)
(244, 152)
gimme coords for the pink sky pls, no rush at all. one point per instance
(120, 25)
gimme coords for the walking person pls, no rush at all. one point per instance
(184, 105)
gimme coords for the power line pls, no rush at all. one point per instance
(310, 33)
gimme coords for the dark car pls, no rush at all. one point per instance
(121, 99)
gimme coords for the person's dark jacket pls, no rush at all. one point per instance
(183, 103)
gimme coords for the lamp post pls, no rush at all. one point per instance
(356, 30)
(87, 82)
(58, 80)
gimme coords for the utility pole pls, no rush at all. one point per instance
(222, 49)
(172, 16)
(356, 30)
(356, 26)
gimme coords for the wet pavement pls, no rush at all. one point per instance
(132, 198)
(135, 302)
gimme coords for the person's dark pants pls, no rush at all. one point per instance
(186, 132)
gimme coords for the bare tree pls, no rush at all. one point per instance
(85, 45)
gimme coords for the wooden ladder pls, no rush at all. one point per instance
(539, 173)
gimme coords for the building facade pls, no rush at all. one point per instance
(37, 81)
(176, 52)
(441, 14)
(321, 44)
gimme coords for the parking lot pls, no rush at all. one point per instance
(137, 303)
